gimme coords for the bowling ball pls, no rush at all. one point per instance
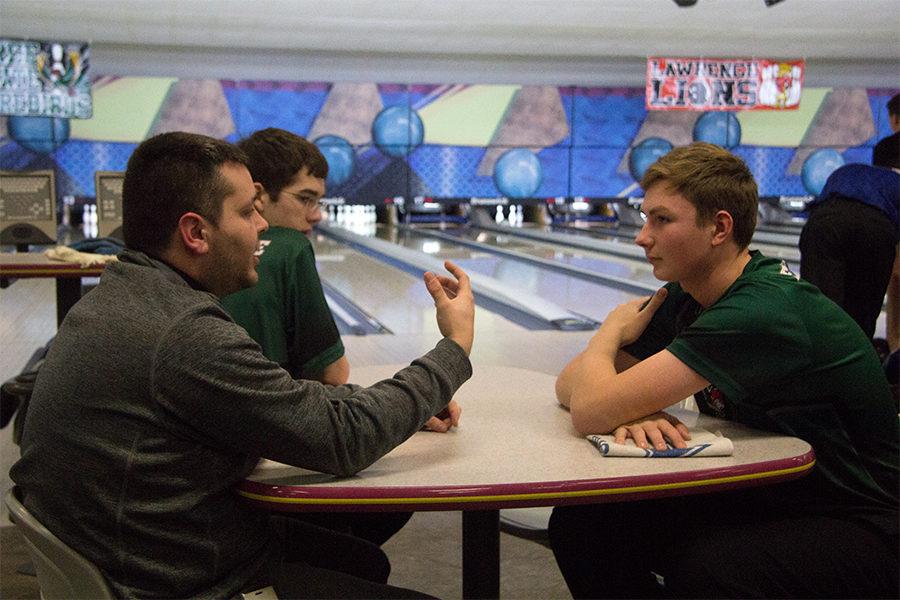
(518, 173)
(397, 129)
(818, 167)
(340, 156)
(39, 134)
(720, 128)
(645, 154)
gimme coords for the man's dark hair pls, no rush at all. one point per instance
(276, 156)
(167, 176)
(886, 152)
(893, 105)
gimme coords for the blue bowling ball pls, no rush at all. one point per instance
(340, 156)
(518, 173)
(397, 130)
(39, 134)
(818, 167)
(645, 154)
(720, 128)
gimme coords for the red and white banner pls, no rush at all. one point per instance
(704, 84)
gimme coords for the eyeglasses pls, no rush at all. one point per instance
(310, 203)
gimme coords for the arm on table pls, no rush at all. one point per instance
(606, 388)
(234, 397)
(570, 372)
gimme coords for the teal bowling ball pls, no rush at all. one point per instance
(39, 134)
(340, 157)
(397, 130)
(518, 173)
(719, 128)
(818, 167)
(645, 154)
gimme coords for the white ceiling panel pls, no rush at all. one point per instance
(562, 41)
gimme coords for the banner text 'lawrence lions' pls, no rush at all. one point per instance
(705, 84)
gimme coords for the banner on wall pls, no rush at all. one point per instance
(45, 79)
(705, 84)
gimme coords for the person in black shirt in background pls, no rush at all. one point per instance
(887, 152)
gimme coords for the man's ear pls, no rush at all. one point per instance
(193, 231)
(263, 200)
(724, 227)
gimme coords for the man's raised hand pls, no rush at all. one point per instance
(454, 303)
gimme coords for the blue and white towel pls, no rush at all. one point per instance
(702, 443)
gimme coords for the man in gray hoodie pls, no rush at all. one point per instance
(152, 404)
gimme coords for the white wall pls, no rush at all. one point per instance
(251, 63)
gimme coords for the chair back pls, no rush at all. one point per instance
(527, 523)
(61, 572)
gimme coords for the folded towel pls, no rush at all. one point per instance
(84, 259)
(702, 443)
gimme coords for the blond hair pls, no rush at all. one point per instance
(712, 179)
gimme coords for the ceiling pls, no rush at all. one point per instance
(561, 41)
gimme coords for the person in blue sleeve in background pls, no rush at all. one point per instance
(848, 247)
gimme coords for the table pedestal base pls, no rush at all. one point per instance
(481, 553)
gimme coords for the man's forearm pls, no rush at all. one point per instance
(604, 346)
(590, 381)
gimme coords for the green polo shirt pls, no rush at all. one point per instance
(782, 357)
(286, 312)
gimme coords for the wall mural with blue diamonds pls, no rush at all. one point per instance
(454, 140)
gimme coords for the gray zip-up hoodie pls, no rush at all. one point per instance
(152, 404)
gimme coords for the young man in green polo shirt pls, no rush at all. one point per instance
(286, 312)
(754, 345)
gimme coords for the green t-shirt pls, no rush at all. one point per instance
(286, 312)
(782, 357)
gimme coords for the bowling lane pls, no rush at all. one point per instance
(579, 296)
(793, 230)
(773, 238)
(395, 298)
(635, 270)
(790, 253)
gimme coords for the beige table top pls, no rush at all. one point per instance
(516, 447)
(38, 264)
